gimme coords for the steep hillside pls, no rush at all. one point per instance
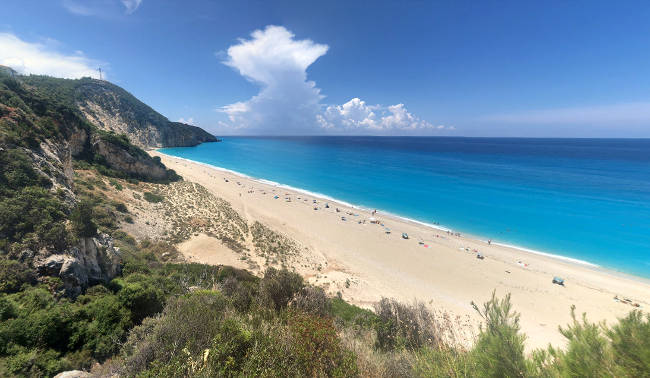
(42, 138)
(111, 108)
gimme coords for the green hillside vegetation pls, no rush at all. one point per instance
(38, 108)
(115, 100)
(32, 216)
(28, 116)
(71, 92)
(172, 320)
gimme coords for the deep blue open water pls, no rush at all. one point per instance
(587, 199)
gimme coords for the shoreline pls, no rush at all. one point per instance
(366, 262)
(524, 250)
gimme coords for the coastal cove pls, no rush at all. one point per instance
(584, 201)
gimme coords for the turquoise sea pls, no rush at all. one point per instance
(586, 199)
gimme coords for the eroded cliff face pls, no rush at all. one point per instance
(111, 108)
(110, 118)
(90, 260)
(54, 158)
(121, 160)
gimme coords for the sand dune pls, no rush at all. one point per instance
(364, 263)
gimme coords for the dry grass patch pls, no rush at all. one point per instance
(273, 246)
(189, 209)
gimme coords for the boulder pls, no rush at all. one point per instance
(90, 262)
(73, 374)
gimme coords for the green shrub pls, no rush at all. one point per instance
(229, 349)
(123, 236)
(588, 353)
(142, 299)
(278, 287)
(499, 350)
(82, 219)
(317, 348)
(630, 340)
(153, 198)
(187, 323)
(32, 363)
(7, 308)
(241, 294)
(13, 275)
(39, 326)
(348, 314)
(441, 362)
(79, 360)
(34, 218)
(18, 172)
(100, 321)
(119, 206)
(306, 346)
(313, 300)
(404, 326)
(115, 184)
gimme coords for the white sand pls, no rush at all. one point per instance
(365, 263)
(209, 250)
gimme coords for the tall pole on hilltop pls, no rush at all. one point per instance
(100, 72)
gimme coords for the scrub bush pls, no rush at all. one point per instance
(404, 326)
(278, 287)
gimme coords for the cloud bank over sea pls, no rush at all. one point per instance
(289, 103)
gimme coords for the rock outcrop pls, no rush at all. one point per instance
(73, 374)
(130, 162)
(91, 261)
(111, 108)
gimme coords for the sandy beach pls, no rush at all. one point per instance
(344, 252)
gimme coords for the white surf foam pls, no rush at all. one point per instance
(546, 254)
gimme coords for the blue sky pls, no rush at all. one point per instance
(502, 68)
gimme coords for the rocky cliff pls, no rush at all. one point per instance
(111, 108)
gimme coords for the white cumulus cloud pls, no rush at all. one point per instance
(36, 58)
(188, 121)
(278, 63)
(356, 117)
(101, 8)
(131, 5)
(289, 103)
